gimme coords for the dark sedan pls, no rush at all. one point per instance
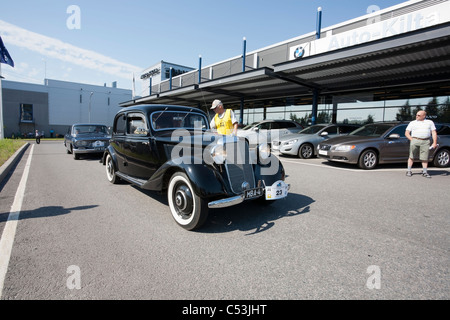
(84, 138)
(380, 143)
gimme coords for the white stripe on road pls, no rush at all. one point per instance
(9, 232)
(320, 165)
(378, 169)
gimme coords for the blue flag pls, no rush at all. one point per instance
(4, 55)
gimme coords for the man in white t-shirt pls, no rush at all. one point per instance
(419, 132)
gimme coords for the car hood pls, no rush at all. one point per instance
(350, 139)
(291, 136)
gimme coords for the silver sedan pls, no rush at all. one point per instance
(304, 143)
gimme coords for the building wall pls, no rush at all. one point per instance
(57, 105)
(12, 101)
(72, 102)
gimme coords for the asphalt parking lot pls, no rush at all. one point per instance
(342, 233)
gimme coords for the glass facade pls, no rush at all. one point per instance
(394, 104)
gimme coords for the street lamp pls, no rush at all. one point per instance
(90, 98)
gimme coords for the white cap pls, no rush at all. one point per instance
(216, 103)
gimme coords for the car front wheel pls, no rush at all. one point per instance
(188, 209)
(306, 151)
(442, 158)
(368, 160)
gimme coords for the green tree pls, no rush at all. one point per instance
(370, 119)
(432, 108)
(404, 113)
(444, 114)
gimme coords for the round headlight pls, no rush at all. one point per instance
(218, 154)
(263, 152)
(81, 143)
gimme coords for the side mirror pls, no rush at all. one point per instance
(324, 134)
(256, 129)
(394, 136)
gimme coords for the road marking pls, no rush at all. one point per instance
(9, 232)
(378, 169)
(320, 165)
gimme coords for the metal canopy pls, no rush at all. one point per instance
(418, 57)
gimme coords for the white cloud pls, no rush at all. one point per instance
(54, 48)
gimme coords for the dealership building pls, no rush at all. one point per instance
(381, 66)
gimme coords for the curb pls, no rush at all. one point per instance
(6, 167)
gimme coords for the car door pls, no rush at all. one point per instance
(263, 130)
(118, 140)
(278, 129)
(139, 154)
(395, 149)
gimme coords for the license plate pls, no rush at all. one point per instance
(276, 191)
(253, 193)
(323, 152)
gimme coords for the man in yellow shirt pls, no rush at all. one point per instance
(224, 121)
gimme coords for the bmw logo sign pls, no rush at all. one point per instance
(299, 52)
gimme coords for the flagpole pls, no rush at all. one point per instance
(2, 136)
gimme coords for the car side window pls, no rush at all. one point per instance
(400, 130)
(346, 129)
(283, 125)
(120, 125)
(136, 124)
(331, 130)
(264, 126)
(276, 125)
(443, 130)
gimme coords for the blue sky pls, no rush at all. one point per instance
(113, 39)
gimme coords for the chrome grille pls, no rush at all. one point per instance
(238, 166)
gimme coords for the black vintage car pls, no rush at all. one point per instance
(170, 148)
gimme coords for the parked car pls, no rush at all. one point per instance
(82, 138)
(304, 143)
(380, 143)
(171, 149)
(267, 130)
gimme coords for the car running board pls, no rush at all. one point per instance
(133, 180)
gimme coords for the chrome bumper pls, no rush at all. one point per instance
(228, 202)
(268, 195)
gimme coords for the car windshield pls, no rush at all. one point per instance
(86, 129)
(372, 130)
(166, 120)
(311, 129)
(249, 126)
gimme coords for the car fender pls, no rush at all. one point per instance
(109, 150)
(206, 180)
(269, 179)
